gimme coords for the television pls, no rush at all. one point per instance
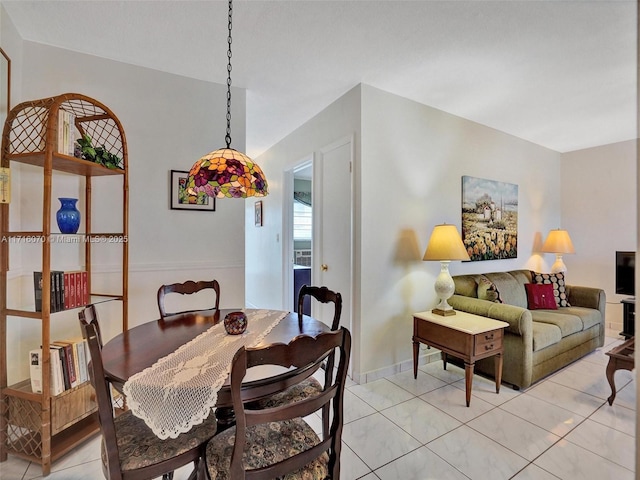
(626, 273)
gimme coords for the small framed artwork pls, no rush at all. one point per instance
(180, 198)
(258, 214)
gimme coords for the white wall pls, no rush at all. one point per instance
(409, 162)
(264, 260)
(170, 121)
(599, 209)
(413, 158)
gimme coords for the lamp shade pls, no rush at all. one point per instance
(558, 241)
(445, 243)
(227, 173)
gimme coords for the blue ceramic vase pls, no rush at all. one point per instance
(68, 216)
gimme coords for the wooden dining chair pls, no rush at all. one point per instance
(276, 442)
(323, 295)
(187, 288)
(311, 386)
(130, 449)
(88, 315)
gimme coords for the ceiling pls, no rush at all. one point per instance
(561, 74)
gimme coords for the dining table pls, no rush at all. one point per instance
(143, 346)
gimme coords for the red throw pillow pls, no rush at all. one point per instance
(540, 296)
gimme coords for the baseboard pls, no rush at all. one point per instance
(427, 356)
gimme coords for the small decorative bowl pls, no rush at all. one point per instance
(235, 323)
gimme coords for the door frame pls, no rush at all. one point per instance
(288, 296)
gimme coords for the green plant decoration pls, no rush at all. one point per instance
(98, 155)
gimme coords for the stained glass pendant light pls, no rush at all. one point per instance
(227, 172)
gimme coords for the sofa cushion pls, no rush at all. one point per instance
(511, 289)
(540, 296)
(589, 316)
(559, 289)
(545, 335)
(566, 322)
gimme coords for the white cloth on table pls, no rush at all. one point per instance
(179, 390)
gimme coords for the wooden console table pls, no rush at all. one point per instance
(464, 336)
(621, 357)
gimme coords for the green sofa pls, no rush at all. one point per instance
(537, 342)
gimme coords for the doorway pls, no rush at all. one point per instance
(302, 216)
(328, 176)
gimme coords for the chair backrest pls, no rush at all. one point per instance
(186, 288)
(323, 295)
(89, 315)
(300, 352)
(105, 402)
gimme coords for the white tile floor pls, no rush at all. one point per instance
(401, 428)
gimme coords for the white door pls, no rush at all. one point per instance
(332, 237)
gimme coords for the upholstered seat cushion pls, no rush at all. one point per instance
(139, 447)
(567, 323)
(305, 389)
(267, 443)
(589, 316)
(545, 335)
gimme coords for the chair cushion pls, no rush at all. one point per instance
(267, 443)
(139, 447)
(305, 389)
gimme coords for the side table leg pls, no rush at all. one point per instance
(611, 370)
(468, 380)
(443, 355)
(416, 349)
(498, 371)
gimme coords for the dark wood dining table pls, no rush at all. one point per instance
(142, 346)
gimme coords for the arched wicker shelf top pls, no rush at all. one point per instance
(30, 133)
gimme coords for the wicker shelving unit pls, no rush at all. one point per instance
(37, 426)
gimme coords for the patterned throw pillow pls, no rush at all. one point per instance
(487, 290)
(557, 280)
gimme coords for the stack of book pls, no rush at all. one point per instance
(68, 290)
(69, 359)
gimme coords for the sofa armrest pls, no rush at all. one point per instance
(587, 297)
(519, 319)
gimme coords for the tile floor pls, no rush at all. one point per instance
(401, 428)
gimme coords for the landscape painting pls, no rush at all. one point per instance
(489, 219)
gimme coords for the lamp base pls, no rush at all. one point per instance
(558, 266)
(444, 313)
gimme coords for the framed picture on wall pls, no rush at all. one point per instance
(489, 219)
(258, 213)
(180, 198)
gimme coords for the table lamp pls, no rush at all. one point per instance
(444, 246)
(558, 242)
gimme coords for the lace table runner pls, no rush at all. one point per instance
(180, 390)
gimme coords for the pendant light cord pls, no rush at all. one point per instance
(228, 135)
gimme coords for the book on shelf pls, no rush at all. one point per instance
(35, 372)
(62, 359)
(67, 290)
(81, 352)
(67, 132)
(69, 363)
(37, 289)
